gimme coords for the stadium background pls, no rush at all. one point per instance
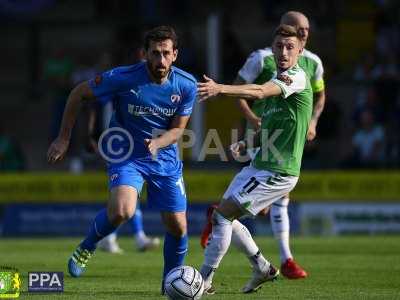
(48, 46)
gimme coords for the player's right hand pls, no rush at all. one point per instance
(57, 150)
(312, 131)
(152, 146)
(237, 148)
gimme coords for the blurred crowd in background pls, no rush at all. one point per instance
(50, 46)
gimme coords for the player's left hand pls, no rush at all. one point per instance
(207, 89)
(312, 131)
(152, 146)
(237, 148)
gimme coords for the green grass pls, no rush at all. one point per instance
(340, 268)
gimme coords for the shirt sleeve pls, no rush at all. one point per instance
(252, 67)
(290, 82)
(189, 94)
(317, 81)
(104, 85)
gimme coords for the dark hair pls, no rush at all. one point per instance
(287, 31)
(159, 34)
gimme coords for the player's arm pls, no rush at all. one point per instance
(319, 104)
(318, 87)
(245, 107)
(170, 136)
(210, 88)
(251, 69)
(100, 88)
(178, 122)
(91, 128)
(82, 92)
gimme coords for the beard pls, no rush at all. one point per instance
(157, 72)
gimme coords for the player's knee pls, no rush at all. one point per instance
(219, 219)
(175, 223)
(117, 219)
(178, 231)
(284, 201)
(264, 211)
(177, 228)
(120, 216)
(229, 209)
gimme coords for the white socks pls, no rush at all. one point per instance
(112, 237)
(280, 227)
(218, 245)
(243, 240)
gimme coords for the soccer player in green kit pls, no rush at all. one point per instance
(259, 68)
(275, 170)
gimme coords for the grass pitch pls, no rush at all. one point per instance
(339, 268)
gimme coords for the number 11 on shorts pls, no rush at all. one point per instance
(181, 186)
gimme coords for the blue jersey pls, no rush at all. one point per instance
(143, 107)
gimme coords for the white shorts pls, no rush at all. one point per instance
(256, 189)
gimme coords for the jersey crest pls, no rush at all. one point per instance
(285, 78)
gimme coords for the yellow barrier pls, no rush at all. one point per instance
(201, 186)
(348, 186)
(49, 187)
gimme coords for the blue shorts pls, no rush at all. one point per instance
(165, 192)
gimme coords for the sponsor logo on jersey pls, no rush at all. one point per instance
(272, 111)
(285, 78)
(140, 110)
(175, 98)
(136, 93)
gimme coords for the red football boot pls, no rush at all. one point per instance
(291, 270)
(208, 227)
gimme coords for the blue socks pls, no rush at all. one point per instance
(175, 250)
(99, 229)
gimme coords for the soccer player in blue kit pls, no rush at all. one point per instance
(150, 96)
